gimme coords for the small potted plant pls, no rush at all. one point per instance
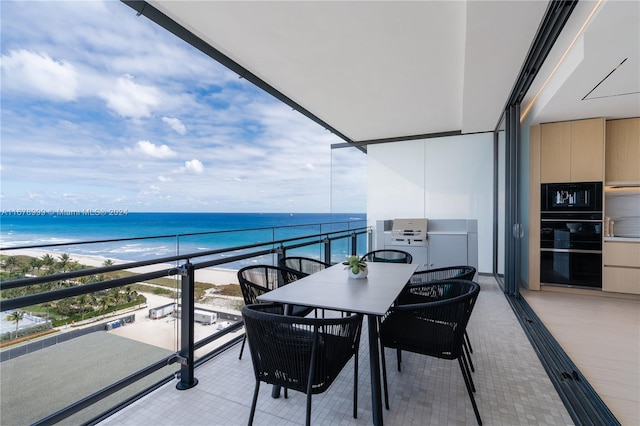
(357, 267)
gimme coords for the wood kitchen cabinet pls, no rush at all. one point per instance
(622, 158)
(555, 152)
(572, 151)
(621, 267)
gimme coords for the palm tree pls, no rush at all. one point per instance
(35, 265)
(15, 316)
(105, 302)
(48, 262)
(107, 262)
(10, 263)
(116, 295)
(65, 259)
(83, 302)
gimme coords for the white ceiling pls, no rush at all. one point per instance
(388, 69)
(612, 36)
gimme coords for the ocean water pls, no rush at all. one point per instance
(157, 235)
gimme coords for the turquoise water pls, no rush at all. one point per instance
(173, 233)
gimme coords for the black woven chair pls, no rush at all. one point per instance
(305, 265)
(303, 354)
(418, 295)
(446, 273)
(432, 328)
(388, 255)
(259, 279)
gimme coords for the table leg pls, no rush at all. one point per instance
(374, 365)
(275, 391)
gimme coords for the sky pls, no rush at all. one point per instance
(101, 109)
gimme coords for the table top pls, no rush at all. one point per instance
(332, 288)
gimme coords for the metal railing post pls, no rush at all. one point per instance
(281, 253)
(354, 244)
(327, 250)
(186, 355)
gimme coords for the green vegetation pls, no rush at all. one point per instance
(85, 307)
(65, 311)
(15, 316)
(355, 264)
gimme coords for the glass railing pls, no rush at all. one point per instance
(81, 338)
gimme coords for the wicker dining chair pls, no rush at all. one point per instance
(462, 272)
(432, 328)
(256, 280)
(388, 255)
(302, 354)
(449, 272)
(305, 265)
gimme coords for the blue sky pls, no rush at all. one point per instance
(105, 110)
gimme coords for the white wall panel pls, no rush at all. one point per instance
(457, 183)
(395, 180)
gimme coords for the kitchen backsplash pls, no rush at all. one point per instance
(622, 206)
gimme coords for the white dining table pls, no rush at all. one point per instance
(332, 289)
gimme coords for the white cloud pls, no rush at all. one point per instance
(175, 124)
(153, 150)
(194, 166)
(100, 145)
(39, 75)
(129, 99)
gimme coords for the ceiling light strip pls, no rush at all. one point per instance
(561, 60)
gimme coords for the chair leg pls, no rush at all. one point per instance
(466, 337)
(467, 377)
(467, 370)
(399, 356)
(253, 404)
(466, 349)
(355, 386)
(244, 339)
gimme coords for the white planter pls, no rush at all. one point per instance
(360, 275)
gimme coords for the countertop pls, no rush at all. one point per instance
(622, 239)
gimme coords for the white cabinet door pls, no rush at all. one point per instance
(447, 250)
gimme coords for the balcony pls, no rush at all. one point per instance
(512, 386)
(107, 377)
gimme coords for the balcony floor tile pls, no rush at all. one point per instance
(512, 386)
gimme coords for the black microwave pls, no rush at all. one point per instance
(571, 197)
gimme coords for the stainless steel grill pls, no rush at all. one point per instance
(408, 232)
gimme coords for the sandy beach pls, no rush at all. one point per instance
(218, 276)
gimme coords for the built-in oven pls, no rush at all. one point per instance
(571, 252)
(571, 234)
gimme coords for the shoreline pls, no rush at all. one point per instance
(216, 276)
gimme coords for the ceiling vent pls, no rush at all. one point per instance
(616, 82)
